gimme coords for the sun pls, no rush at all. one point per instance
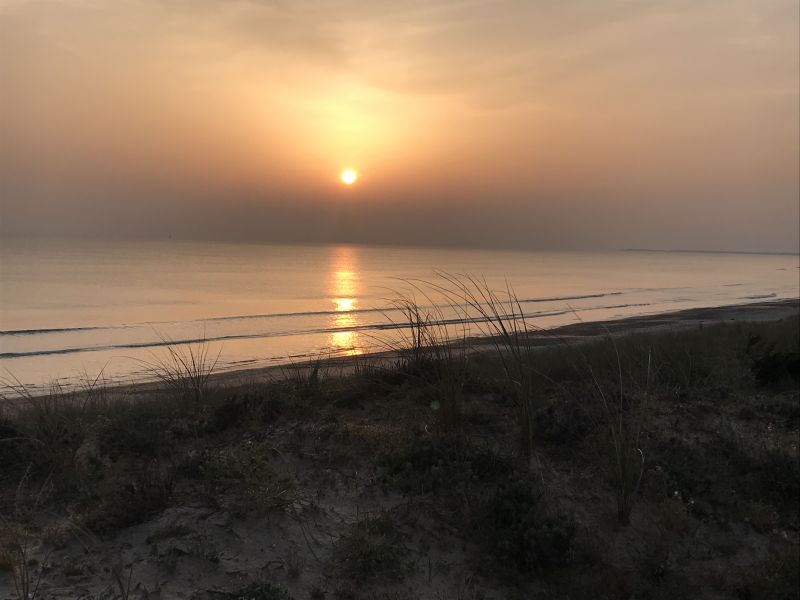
(349, 176)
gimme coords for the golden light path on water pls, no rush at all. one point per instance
(343, 289)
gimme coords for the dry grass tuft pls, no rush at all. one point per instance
(185, 369)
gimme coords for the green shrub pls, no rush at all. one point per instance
(431, 463)
(563, 421)
(242, 479)
(518, 532)
(773, 367)
(15, 450)
(242, 409)
(139, 430)
(373, 549)
(130, 495)
(56, 428)
(778, 578)
(260, 591)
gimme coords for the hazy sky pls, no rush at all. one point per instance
(576, 124)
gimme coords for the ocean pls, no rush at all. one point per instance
(71, 310)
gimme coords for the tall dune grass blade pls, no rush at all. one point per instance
(186, 370)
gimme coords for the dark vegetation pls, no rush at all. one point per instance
(652, 465)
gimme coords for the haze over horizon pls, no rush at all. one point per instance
(587, 125)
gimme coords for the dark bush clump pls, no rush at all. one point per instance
(372, 550)
(774, 367)
(239, 410)
(428, 463)
(135, 430)
(519, 532)
(562, 422)
(14, 450)
(242, 480)
(777, 472)
(132, 496)
(777, 578)
(260, 591)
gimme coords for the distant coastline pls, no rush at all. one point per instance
(758, 253)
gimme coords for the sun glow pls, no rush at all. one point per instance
(343, 289)
(349, 176)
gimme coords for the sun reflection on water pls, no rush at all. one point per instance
(343, 288)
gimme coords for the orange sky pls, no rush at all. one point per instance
(539, 124)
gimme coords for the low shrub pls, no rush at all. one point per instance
(260, 591)
(136, 429)
(373, 549)
(431, 463)
(56, 428)
(777, 578)
(248, 408)
(520, 533)
(130, 495)
(242, 480)
(774, 367)
(15, 450)
(563, 421)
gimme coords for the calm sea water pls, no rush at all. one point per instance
(71, 309)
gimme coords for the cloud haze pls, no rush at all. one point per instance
(518, 123)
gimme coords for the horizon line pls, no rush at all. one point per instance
(411, 244)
